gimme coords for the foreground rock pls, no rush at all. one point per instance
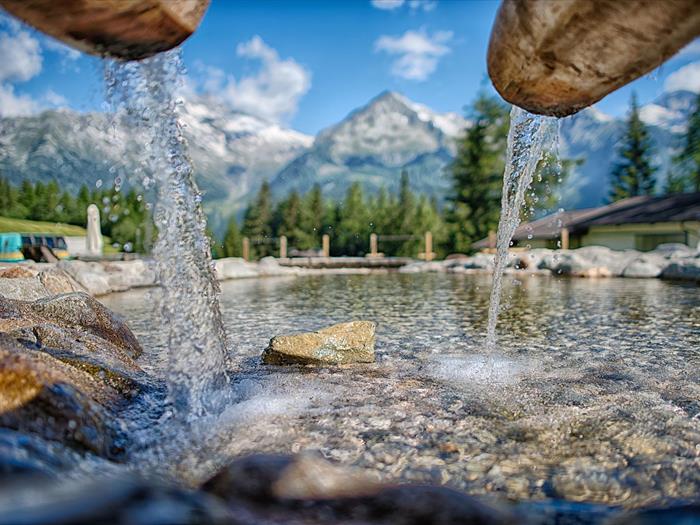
(35, 281)
(66, 370)
(309, 489)
(42, 395)
(342, 343)
(73, 311)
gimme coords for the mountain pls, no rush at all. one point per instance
(594, 137)
(233, 151)
(373, 145)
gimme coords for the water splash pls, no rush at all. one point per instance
(529, 137)
(143, 95)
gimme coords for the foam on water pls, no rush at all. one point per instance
(529, 137)
(143, 95)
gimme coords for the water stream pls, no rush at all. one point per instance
(529, 138)
(144, 96)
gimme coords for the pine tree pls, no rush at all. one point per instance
(313, 218)
(477, 174)
(257, 223)
(233, 242)
(352, 231)
(634, 173)
(685, 175)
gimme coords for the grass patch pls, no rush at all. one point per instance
(25, 226)
(9, 225)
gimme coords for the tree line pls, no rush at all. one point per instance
(634, 173)
(125, 216)
(469, 213)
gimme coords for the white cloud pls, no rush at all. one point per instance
(21, 56)
(387, 5)
(273, 92)
(414, 5)
(686, 78)
(56, 46)
(53, 99)
(15, 105)
(691, 50)
(418, 53)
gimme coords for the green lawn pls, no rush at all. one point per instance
(26, 226)
(68, 230)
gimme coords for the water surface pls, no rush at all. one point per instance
(593, 394)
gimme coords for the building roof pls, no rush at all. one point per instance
(635, 210)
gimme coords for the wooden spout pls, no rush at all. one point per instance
(558, 57)
(125, 29)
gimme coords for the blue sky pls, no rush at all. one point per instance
(309, 63)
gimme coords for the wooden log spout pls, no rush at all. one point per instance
(124, 29)
(556, 57)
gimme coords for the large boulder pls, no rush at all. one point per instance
(31, 282)
(42, 395)
(100, 278)
(118, 500)
(645, 266)
(342, 343)
(90, 275)
(234, 268)
(308, 489)
(76, 311)
(686, 269)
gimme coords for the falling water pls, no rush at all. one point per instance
(144, 97)
(529, 137)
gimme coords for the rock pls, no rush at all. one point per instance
(306, 476)
(674, 249)
(77, 311)
(119, 500)
(57, 281)
(124, 275)
(686, 269)
(97, 357)
(22, 288)
(270, 487)
(426, 267)
(342, 343)
(234, 268)
(16, 272)
(679, 515)
(42, 395)
(90, 275)
(646, 266)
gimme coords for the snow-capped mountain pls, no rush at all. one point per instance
(233, 152)
(372, 145)
(593, 137)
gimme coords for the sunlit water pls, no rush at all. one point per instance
(594, 396)
(529, 138)
(143, 95)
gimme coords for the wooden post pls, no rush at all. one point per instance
(429, 246)
(246, 248)
(373, 245)
(326, 245)
(283, 247)
(492, 240)
(565, 238)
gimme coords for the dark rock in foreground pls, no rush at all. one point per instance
(342, 343)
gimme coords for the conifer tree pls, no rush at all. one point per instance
(233, 241)
(313, 218)
(685, 174)
(352, 231)
(633, 174)
(477, 174)
(257, 223)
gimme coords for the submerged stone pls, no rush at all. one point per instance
(342, 343)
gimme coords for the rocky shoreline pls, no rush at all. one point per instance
(30, 281)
